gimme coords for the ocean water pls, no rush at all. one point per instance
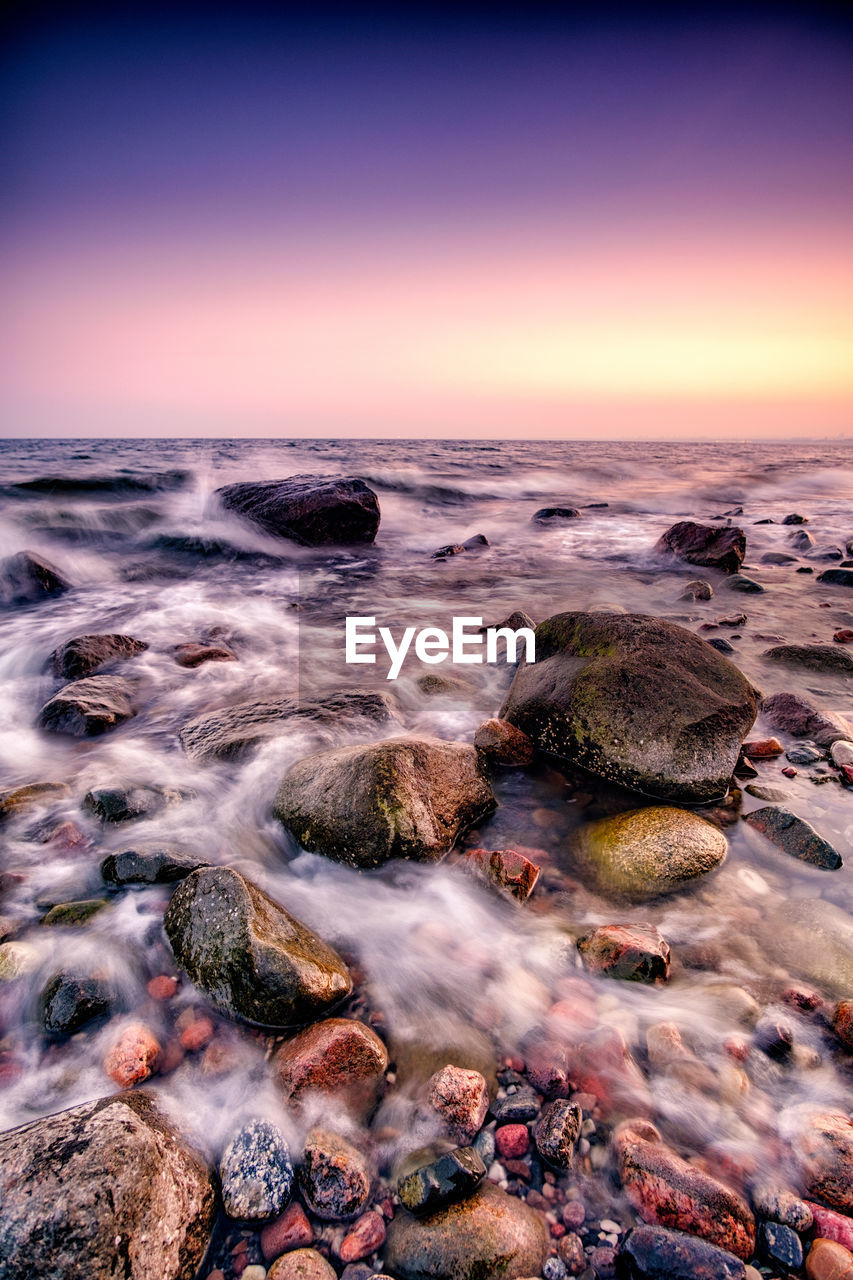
(134, 525)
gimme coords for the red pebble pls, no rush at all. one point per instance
(290, 1230)
(789, 771)
(365, 1236)
(762, 749)
(197, 1034)
(832, 1226)
(133, 1056)
(518, 1169)
(557, 1230)
(512, 1141)
(844, 636)
(162, 987)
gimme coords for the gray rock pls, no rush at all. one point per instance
(451, 1177)
(108, 1188)
(637, 701)
(778, 557)
(802, 540)
(804, 755)
(814, 657)
(85, 654)
(647, 852)
(518, 1107)
(490, 1234)
(794, 836)
(780, 1246)
(88, 707)
(700, 544)
(250, 956)
(70, 1000)
(334, 1175)
(746, 586)
(698, 589)
(26, 578)
(655, 1253)
(313, 510)
(232, 733)
(557, 1132)
(399, 798)
(256, 1172)
(149, 864)
(551, 515)
(126, 804)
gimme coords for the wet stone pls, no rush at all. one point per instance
(828, 1260)
(338, 1057)
(334, 1176)
(89, 707)
(655, 1253)
(302, 1264)
(503, 743)
(516, 1107)
(74, 914)
(291, 1230)
(256, 1172)
(149, 864)
(508, 870)
(461, 1099)
(83, 655)
(804, 755)
(704, 545)
(783, 1207)
(635, 953)
(69, 1001)
(127, 804)
(557, 1132)
(365, 1236)
(26, 578)
(781, 1246)
(451, 1177)
(794, 836)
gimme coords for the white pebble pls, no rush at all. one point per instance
(841, 752)
(255, 1272)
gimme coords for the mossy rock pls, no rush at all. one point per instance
(647, 852)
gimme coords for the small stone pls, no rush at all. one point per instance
(804, 755)
(74, 914)
(21, 798)
(522, 1105)
(365, 1236)
(127, 804)
(338, 1057)
(781, 1246)
(290, 1230)
(553, 515)
(828, 1260)
(163, 987)
(841, 752)
(557, 1132)
(83, 655)
(503, 743)
(794, 836)
(555, 1269)
(636, 953)
(334, 1176)
(740, 582)
(574, 1214)
(133, 1056)
(782, 1206)
(256, 1172)
(512, 1141)
(571, 1254)
(844, 636)
(193, 655)
(603, 1260)
(147, 864)
(762, 749)
(301, 1264)
(826, 1153)
(830, 1225)
(508, 870)
(25, 578)
(771, 795)
(461, 1098)
(451, 1177)
(697, 590)
(842, 1023)
(197, 1034)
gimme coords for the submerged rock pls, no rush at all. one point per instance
(794, 836)
(88, 707)
(126, 804)
(489, 1235)
(637, 701)
(647, 852)
(85, 654)
(837, 577)
(698, 589)
(106, 1184)
(133, 1057)
(813, 939)
(667, 1191)
(795, 715)
(21, 798)
(193, 655)
(746, 586)
(705, 545)
(814, 657)
(315, 511)
(636, 952)
(338, 1057)
(654, 1253)
(256, 1172)
(250, 956)
(552, 515)
(26, 578)
(334, 1176)
(399, 798)
(231, 733)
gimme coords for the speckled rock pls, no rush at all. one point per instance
(365, 1236)
(149, 864)
(826, 1154)
(119, 1186)
(489, 1235)
(338, 1057)
(647, 852)
(302, 1264)
(250, 956)
(83, 655)
(133, 1056)
(635, 700)
(461, 1098)
(291, 1230)
(89, 707)
(794, 836)
(780, 1246)
(795, 715)
(557, 1131)
(334, 1175)
(667, 1191)
(654, 1253)
(451, 1177)
(256, 1172)
(398, 798)
(830, 1225)
(635, 952)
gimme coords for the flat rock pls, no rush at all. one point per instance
(635, 953)
(232, 733)
(315, 511)
(338, 1057)
(635, 700)
(647, 852)
(88, 707)
(553, 515)
(250, 956)
(814, 657)
(705, 545)
(654, 1253)
(666, 1191)
(26, 578)
(256, 1172)
(108, 1184)
(794, 836)
(803, 719)
(399, 798)
(149, 864)
(489, 1235)
(83, 655)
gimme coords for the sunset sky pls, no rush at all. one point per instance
(622, 223)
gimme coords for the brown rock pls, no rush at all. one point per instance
(667, 1191)
(193, 655)
(827, 1260)
(83, 655)
(844, 636)
(88, 707)
(637, 952)
(338, 1057)
(826, 1152)
(842, 1023)
(762, 749)
(712, 547)
(334, 1176)
(793, 714)
(365, 1236)
(21, 798)
(461, 1098)
(133, 1056)
(507, 869)
(503, 743)
(290, 1230)
(302, 1264)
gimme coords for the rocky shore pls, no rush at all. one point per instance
(253, 1098)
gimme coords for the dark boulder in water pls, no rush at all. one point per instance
(85, 654)
(316, 511)
(231, 733)
(250, 956)
(551, 515)
(88, 707)
(26, 578)
(109, 1187)
(70, 1000)
(149, 864)
(126, 804)
(123, 482)
(814, 657)
(635, 700)
(702, 544)
(794, 836)
(400, 798)
(837, 577)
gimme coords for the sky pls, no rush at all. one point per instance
(619, 223)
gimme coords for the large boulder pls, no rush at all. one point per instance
(84, 654)
(105, 1189)
(713, 547)
(250, 956)
(490, 1234)
(400, 798)
(315, 511)
(637, 701)
(647, 852)
(232, 733)
(26, 578)
(88, 707)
